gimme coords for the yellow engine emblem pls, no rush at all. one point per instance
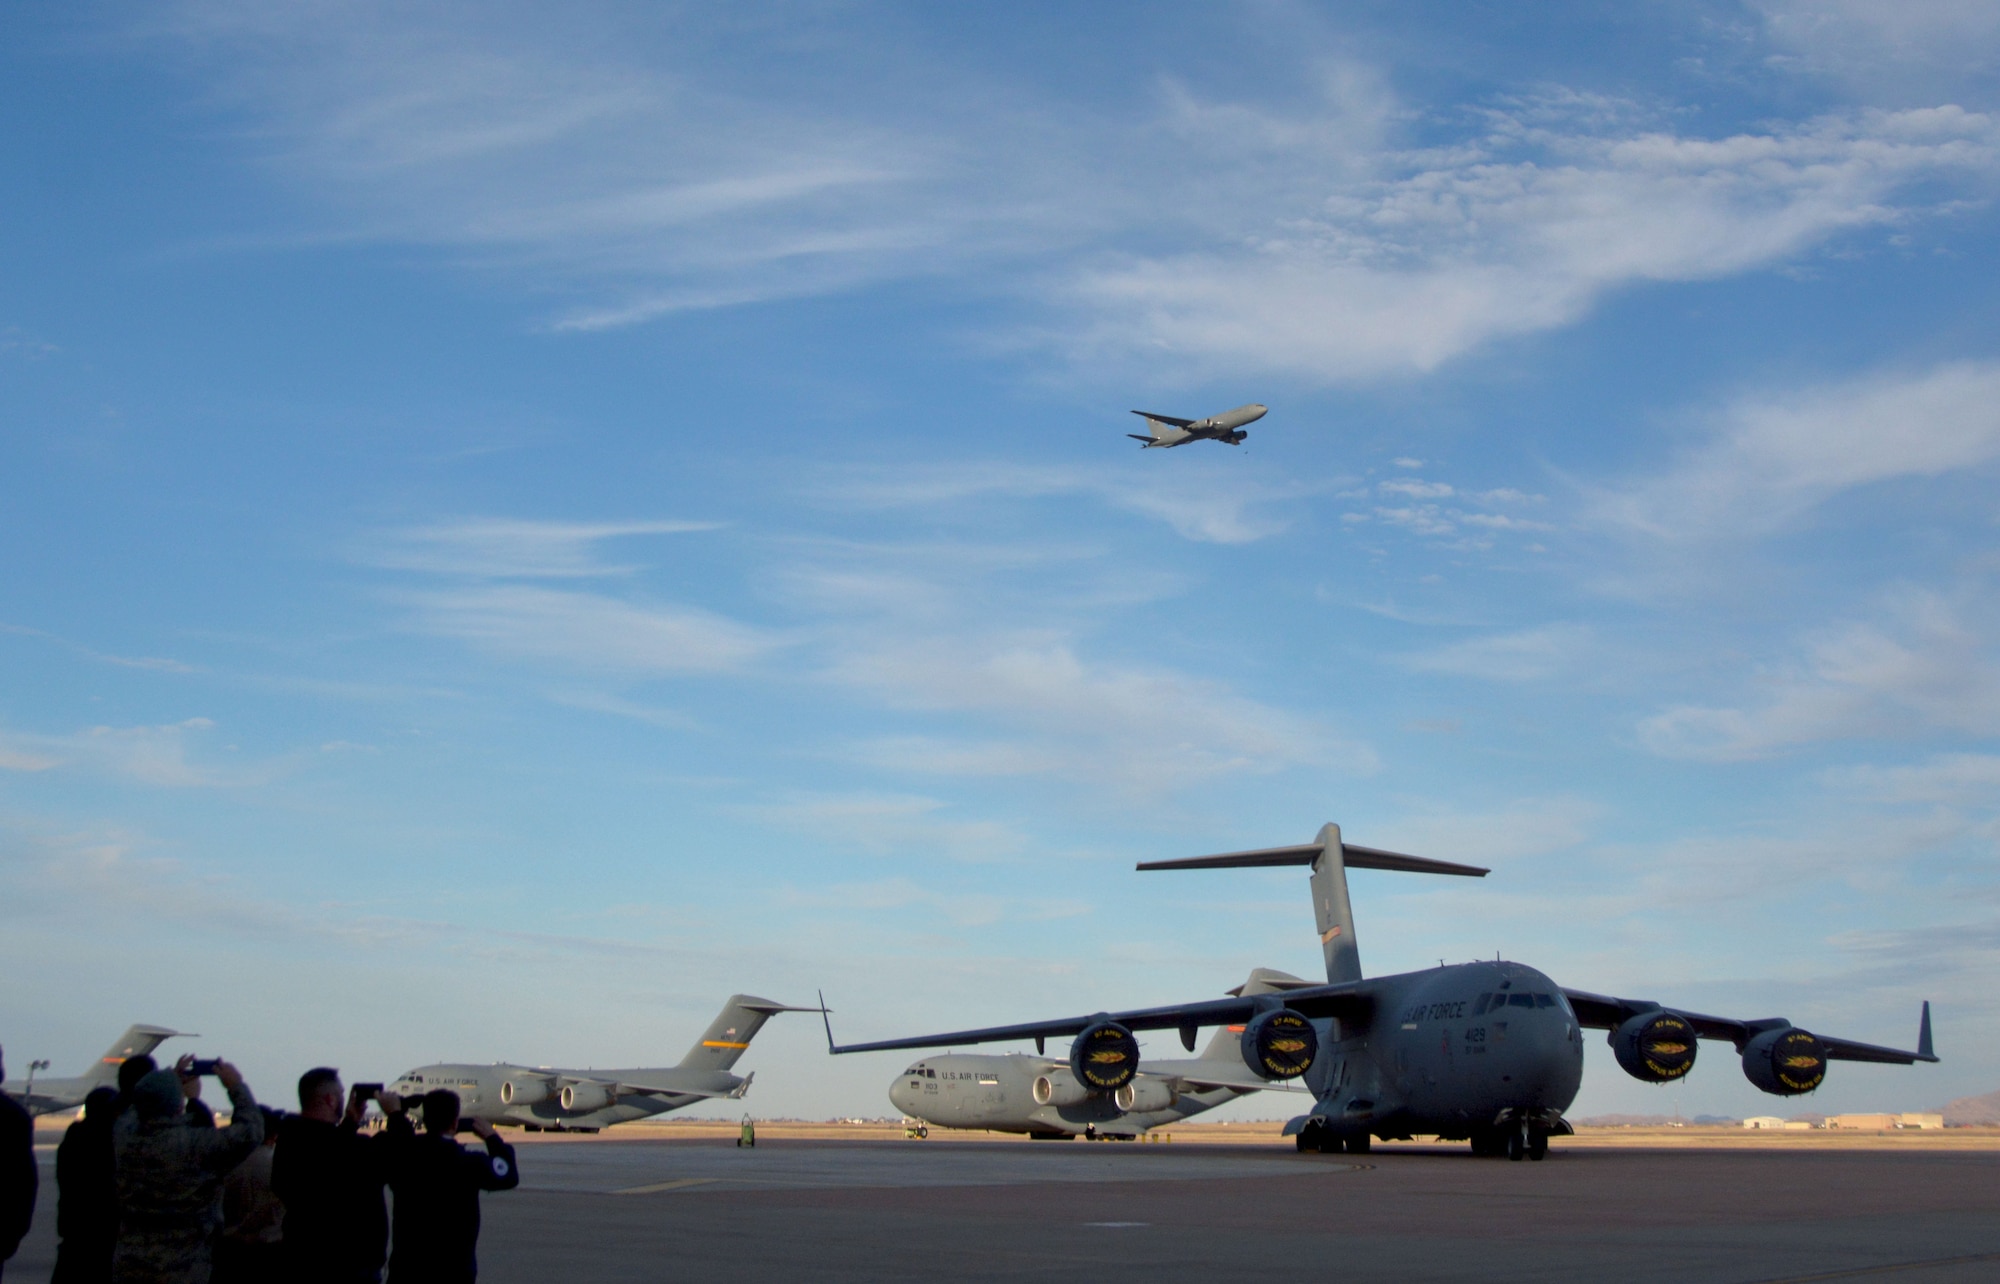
(1107, 1056)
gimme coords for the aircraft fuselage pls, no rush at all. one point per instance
(997, 1093)
(531, 1096)
(1449, 1052)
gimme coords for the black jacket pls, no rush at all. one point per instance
(330, 1178)
(86, 1202)
(19, 1178)
(437, 1183)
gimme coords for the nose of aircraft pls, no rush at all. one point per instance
(898, 1096)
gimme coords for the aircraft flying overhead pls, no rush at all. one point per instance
(1490, 1052)
(540, 1098)
(46, 1096)
(1227, 427)
(1043, 1098)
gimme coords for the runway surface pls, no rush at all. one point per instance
(889, 1210)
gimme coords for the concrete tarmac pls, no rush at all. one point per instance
(700, 1208)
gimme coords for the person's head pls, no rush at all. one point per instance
(319, 1094)
(102, 1103)
(133, 1069)
(159, 1095)
(272, 1119)
(441, 1111)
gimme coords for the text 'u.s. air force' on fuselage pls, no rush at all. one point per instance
(1044, 1097)
(1486, 1052)
(542, 1098)
(1165, 430)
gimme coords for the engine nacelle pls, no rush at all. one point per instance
(1658, 1047)
(526, 1090)
(582, 1098)
(1145, 1095)
(1104, 1057)
(1059, 1088)
(1785, 1062)
(1279, 1044)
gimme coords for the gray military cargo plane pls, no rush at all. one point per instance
(1486, 1052)
(1042, 1098)
(540, 1099)
(47, 1096)
(1165, 430)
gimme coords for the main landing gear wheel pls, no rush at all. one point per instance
(1517, 1145)
(1310, 1139)
(1359, 1145)
(1538, 1145)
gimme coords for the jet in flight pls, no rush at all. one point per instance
(1227, 427)
(51, 1095)
(540, 1099)
(1487, 1052)
(1043, 1098)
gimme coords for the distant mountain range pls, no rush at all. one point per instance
(1973, 1110)
(1648, 1121)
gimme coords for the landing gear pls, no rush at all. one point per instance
(1359, 1145)
(1527, 1142)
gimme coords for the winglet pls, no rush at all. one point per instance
(1924, 1035)
(828, 1021)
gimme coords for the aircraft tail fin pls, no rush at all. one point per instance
(1330, 860)
(729, 1035)
(138, 1041)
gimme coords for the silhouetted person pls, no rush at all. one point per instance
(329, 1174)
(87, 1194)
(170, 1176)
(247, 1251)
(18, 1176)
(437, 1184)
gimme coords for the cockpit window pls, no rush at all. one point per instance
(1479, 1008)
(1520, 1000)
(1545, 1000)
(930, 1074)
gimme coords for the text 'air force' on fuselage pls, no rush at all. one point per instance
(1227, 427)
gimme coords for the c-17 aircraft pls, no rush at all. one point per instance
(1043, 1097)
(1166, 431)
(1490, 1052)
(48, 1096)
(540, 1098)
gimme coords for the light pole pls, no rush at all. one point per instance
(32, 1067)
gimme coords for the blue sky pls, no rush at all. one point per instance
(525, 521)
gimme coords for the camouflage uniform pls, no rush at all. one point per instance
(170, 1177)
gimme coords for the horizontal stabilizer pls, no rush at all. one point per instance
(1351, 856)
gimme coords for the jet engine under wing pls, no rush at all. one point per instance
(1348, 1000)
(1602, 1012)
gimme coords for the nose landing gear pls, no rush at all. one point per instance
(1517, 1141)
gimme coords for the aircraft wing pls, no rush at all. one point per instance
(1347, 1000)
(1203, 1075)
(1164, 419)
(1602, 1012)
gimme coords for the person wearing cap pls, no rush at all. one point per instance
(170, 1177)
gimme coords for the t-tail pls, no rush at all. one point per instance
(1330, 860)
(138, 1041)
(729, 1035)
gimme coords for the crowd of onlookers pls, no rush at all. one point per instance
(150, 1189)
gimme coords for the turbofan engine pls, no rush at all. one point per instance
(582, 1098)
(1104, 1057)
(526, 1090)
(1785, 1062)
(1145, 1095)
(1059, 1088)
(1658, 1047)
(1279, 1044)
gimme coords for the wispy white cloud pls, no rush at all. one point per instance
(1931, 670)
(1530, 655)
(1773, 457)
(151, 755)
(1519, 230)
(504, 548)
(892, 825)
(959, 909)
(590, 631)
(1199, 503)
